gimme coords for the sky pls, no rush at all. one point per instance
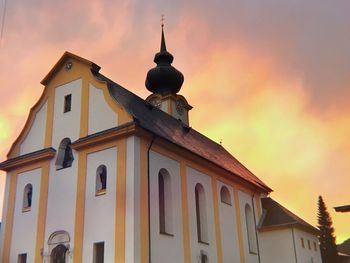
(270, 79)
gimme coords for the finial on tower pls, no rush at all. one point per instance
(162, 20)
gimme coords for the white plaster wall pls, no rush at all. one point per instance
(34, 140)
(99, 224)
(101, 116)
(132, 201)
(166, 248)
(244, 199)
(62, 190)
(228, 225)
(25, 224)
(277, 246)
(194, 177)
(176, 115)
(164, 106)
(305, 254)
(4, 212)
(67, 124)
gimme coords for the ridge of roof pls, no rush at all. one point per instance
(277, 215)
(167, 127)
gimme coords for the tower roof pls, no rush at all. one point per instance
(164, 79)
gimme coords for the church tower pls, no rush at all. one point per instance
(165, 81)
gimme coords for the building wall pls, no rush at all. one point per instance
(228, 225)
(4, 213)
(194, 177)
(24, 223)
(61, 201)
(34, 140)
(305, 254)
(164, 247)
(99, 223)
(277, 246)
(244, 199)
(101, 116)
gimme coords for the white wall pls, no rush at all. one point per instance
(244, 199)
(277, 246)
(132, 201)
(25, 223)
(101, 116)
(305, 254)
(194, 177)
(62, 194)
(99, 224)
(228, 226)
(34, 140)
(166, 248)
(67, 124)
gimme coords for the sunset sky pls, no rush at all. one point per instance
(271, 78)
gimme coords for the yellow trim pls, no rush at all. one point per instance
(120, 210)
(84, 118)
(49, 117)
(40, 232)
(9, 219)
(239, 226)
(144, 202)
(80, 208)
(185, 220)
(217, 220)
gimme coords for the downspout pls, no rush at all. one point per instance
(149, 199)
(295, 250)
(256, 230)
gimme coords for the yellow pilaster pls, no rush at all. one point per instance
(40, 232)
(217, 220)
(9, 218)
(84, 108)
(120, 211)
(185, 220)
(80, 208)
(239, 226)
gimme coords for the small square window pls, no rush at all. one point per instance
(22, 258)
(309, 244)
(302, 243)
(67, 103)
(99, 250)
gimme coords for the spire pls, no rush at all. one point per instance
(164, 79)
(162, 44)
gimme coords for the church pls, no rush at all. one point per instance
(99, 174)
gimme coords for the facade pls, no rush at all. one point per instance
(100, 175)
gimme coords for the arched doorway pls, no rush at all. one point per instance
(58, 254)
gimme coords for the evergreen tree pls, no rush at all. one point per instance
(328, 247)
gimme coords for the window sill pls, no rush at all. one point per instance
(203, 242)
(226, 203)
(26, 209)
(100, 192)
(166, 234)
(61, 168)
(253, 253)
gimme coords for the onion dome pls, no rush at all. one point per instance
(164, 79)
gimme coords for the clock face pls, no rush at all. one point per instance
(180, 107)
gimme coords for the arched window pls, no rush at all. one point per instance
(201, 214)
(165, 202)
(27, 197)
(101, 179)
(65, 155)
(225, 195)
(249, 217)
(58, 254)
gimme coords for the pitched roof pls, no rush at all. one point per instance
(275, 216)
(167, 127)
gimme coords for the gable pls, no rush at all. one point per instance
(48, 122)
